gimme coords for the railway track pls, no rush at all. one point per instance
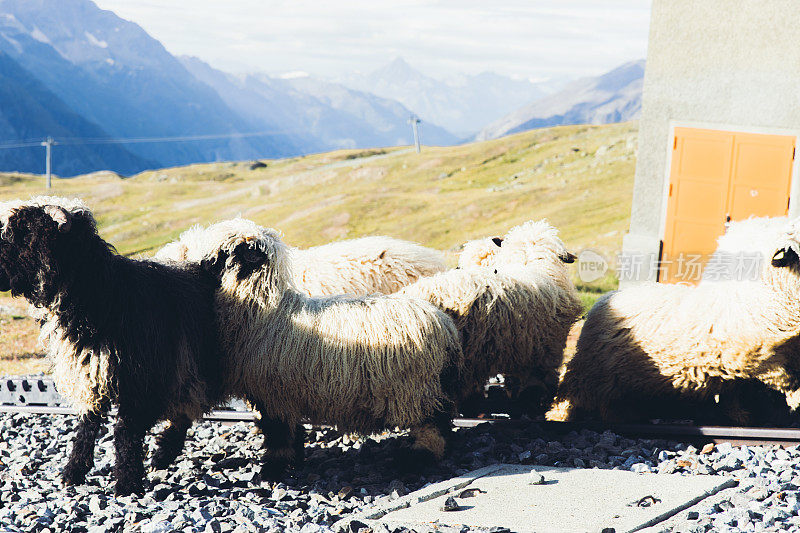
(678, 432)
(37, 395)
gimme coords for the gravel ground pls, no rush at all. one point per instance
(215, 487)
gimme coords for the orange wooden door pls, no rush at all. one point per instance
(716, 176)
(697, 206)
(761, 175)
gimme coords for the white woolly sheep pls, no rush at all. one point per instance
(533, 243)
(660, 343)
(514, 317)
(740, 253)
(357, 267)
(362, 363)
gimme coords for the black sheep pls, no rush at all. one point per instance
(136, 333)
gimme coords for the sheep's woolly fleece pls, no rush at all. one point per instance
(199, 242)
(660, 340)
(511, 327)
(71, 205)
(523, 244)
(82, 378)
(363, 266)
(363, 363)
(478, 253)
(357, 267)
(740, 253)
(514, 318)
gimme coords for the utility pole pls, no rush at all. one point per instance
(414, 121)
(48, 143)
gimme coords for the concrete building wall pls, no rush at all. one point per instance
(717, 64)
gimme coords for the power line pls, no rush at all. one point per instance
(75, 141)
(20, 145)
(137, 140)
(79, 141)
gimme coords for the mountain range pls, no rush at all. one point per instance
(463, 104)
(83, 75)
(616, 96)
(330, 115)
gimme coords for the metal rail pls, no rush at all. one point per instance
(743, 435)
(218, 415)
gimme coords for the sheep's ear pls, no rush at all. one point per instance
(498, 241)
(215, 263)
(567, 257)
(784, 257)
(60, 216)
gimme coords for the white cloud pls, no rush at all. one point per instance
(525, 38)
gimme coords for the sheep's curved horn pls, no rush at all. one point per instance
(60, 215)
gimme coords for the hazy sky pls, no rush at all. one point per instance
(524, 38)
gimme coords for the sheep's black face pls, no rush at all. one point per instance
(567, 257)
(38, 243)
(785, 257)
(245, 259)
(249, 258)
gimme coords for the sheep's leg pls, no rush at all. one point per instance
(284, 445)
(129, 434)
(531, 395)
(782, 380)
(430, 444)
(81, 459)
(471, 405)
(170, 442)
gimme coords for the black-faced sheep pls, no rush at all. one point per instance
(357, 267)
(658, 342)
(362, 363)
(514, 309)
(135, 333)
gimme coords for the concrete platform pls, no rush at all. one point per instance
(570, 499)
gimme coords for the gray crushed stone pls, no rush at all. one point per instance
(214, 486)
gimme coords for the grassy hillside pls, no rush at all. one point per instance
(440, 197)
(578, 177)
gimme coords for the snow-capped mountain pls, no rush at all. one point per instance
(107, 76)
(29, 112)
(69, 69)
(616, 96)
(461, 104)
(335, 116)
(112, 73)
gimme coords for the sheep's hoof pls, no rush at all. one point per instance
(73, 474)
(127, 487)
(161, 460)
(274, 470)
(413, 459)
